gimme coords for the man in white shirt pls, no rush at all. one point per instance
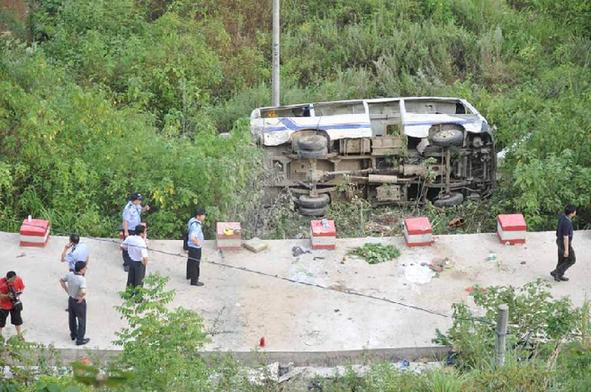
(77, 252)
(137, 249)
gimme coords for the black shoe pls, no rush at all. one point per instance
(563, 278)
(197, 284)
(73, 337)
(82, 342)
(125, 268)
(556, 278)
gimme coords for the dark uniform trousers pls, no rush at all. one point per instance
(77, 318)
(193, 262)
(136, 274)
(564, 263)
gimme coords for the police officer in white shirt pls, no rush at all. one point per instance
(132, 217)
(137, 249)
(77, 252)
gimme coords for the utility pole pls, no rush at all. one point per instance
(500, 343)
(276, 30)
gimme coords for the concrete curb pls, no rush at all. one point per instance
(297, 358)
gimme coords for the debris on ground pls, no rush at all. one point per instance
(456, 222)
(473, 289)
(298, 251)
(22, 254)
(375, 253)
(255, 245)
(438, 264)
(418, 274)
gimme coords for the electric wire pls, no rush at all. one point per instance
(346, 291)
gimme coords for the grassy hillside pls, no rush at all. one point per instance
(99, 98)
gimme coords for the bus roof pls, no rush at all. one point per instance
(371, 100)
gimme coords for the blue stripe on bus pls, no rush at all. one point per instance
(458, 121)
(289, 125)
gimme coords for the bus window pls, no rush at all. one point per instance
(337, 108)
(292, 111)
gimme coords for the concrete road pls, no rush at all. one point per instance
(240, 307)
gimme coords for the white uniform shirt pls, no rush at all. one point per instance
(136, 247)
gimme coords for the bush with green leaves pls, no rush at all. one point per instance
(375, 253)
(536, 321)
(160, 345)
(172, 73)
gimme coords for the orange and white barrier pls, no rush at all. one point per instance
(511, 228)
(34, 232)
(418, 231)
(323, 234)
(228, 236)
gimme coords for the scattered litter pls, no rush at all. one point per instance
(491, 257)
(404, 364)
(262, 342)
(418, 274)
(314, 338)
(255, 245)
(456, 222)
(523, 262)
(438, 264)
(318, 258)
(473, 289)
(22, 254)
(298, 250)
(337, 310)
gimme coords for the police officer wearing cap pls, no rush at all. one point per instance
(132, 217)
(195, 244)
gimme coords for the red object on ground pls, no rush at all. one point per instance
(34, 232)
(85, 361)
(418, 231)
(262, 342)
(511, 228)
(323, 236)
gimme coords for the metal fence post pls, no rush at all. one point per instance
(500, 344)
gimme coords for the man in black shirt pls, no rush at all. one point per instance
(564, 240)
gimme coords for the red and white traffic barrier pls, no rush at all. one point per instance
(34, 232)
(511, 228)
(228, 235)
(323, 234)
(418, 231)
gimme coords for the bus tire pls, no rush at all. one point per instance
(451, 200)
(312, 202)
(313, 211)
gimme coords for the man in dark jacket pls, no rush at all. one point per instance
(564, 241)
